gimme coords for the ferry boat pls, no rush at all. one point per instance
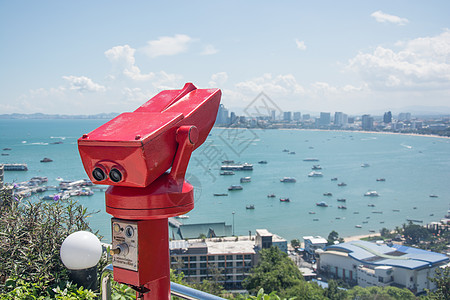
(316, 167)
(220, 194)
(15, 167)
(271, 196)
(315, 174)
(235, 188)
(246, 179)
(285, 200)
(371, 194)
(288, 179)
(311, 159)
(240, 167)
(342, 184)
(227, 173)
(322, 204)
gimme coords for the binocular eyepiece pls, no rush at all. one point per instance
(115, 175)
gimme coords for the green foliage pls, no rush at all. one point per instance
(20, 289)
(415, 233)
(382, 293)
(274, 272)
(332, 292)
(295, 243)
(442, 281)
(262, 296)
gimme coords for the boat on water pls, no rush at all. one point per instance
(262, 162)
(5, 154)
(220, 194)
(341, 199)
(334, 179)
(311, 159)
(342, 184)
(285, 150)
(433, 196)
(315, 174)
(315, 219)
(182, 217)
(328, 194)
(397, 210)
(7, 149)
(251, 206)
(246, 179)
(371, 194)
(358, 226)
(365, 165)
(285, 200)
(227, 173)
(288, 179)
(356, 212)
(271, 196)
(292, 152)
(316, 167)
(56, 143)
(312, 212)
(371, 205)
(322, 204)
(342, 207)
(46, 159)
(237, 167)
(377, 212)
(235, 188)
(381, 179)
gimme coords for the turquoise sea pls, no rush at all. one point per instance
(414, 167)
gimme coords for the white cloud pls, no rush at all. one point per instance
(419, 63)
(300, 44)
(209, 50)
(123, 61)
(279, 85)
(167, 45)
(218, 79)
(386, 18)
(83, 84)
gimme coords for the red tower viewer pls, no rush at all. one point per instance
(132, 153)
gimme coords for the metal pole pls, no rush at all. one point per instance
(233, 223)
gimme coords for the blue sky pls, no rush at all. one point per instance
(87, 57)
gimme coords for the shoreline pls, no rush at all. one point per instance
(347, 131)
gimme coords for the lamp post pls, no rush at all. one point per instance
(233, 223)
(80, 253)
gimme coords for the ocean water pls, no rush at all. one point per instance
(414, 167)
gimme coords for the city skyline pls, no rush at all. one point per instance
(353, 57)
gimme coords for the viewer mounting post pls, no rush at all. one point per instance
(132, 153)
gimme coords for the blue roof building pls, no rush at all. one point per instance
(378, 264)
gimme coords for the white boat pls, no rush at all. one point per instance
(246, 179)
(371, 194)
(315, 174)
(365, 165)
(235, 188)
(288, 179)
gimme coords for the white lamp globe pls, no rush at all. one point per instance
(80, 250)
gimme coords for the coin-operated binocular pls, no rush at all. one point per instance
(133, 153)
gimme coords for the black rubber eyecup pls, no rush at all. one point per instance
(98, 174)
(115, 175)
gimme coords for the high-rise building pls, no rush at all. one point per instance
(387, 118)
(297, 116)
(367, 122)
(287, 116)
(404, 117)
(222, 116)
(273, 115)
(325, 119)
(306, 117)
(233, 117)
(340, 119)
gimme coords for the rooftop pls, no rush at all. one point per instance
(315, 239)
(384, 255)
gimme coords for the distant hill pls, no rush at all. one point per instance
(107, 116)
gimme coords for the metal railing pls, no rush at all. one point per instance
(176, 289)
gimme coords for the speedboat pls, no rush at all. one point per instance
(371, 194)
(342, 184)
(381, 179)
(251, 206)
(235, 188)
(285, 200)
(288, 179)
(271, 196)
(315, 174)
(327, 194)
(322, 203)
